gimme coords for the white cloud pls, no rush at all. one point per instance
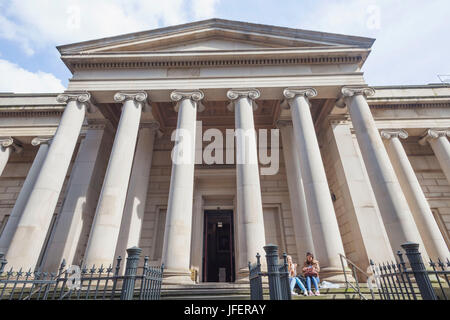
(204, 9)
(409, 46)
(36, 24)
(16, 79)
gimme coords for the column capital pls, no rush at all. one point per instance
(394, 133)
(252, 94)
(234, 94)
(354, 91)
(434, 134)
(41, 140)
(347, 92)
(193, 95)
(283, 123)
(154, 125)
(138, 96)
(82, 97)
(7, 142)
(290, 93)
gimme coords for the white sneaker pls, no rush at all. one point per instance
(294, 293)
(305, 293)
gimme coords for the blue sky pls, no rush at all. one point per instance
(412, 46)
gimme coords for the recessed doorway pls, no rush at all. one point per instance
(218, 248)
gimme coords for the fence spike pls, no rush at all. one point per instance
(441, 264)
(432, 264)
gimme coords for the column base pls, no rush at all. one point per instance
(174, 277)
(335, 275)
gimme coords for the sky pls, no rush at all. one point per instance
(412, 36)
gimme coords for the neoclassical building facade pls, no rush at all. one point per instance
(89, 172)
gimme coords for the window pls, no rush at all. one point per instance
(158, 241)
(273, 228)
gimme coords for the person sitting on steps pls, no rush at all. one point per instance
(311, 272)
(293, 279)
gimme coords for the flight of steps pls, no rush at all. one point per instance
(231, 291)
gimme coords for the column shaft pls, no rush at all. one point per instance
(108, 216)
(177, 234)
(248, 192)
(429, 230)
(299, 211)
(322, 218)
(397, 218)
(24, 194)
(441, 149)
(77, 211)
(133, 215)
(31, 231)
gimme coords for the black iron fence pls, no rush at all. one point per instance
(278, 276)
(411, 280)
(73, 283)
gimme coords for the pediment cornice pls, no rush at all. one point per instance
(264, 34)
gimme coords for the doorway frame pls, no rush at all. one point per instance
(231, 213)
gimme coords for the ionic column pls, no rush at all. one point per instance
(24, 194)
(108, 216)
(429, 230)
(302, 229)
(397, 217)
(7, 146)
(250, 217)
(177, 234)
(78, 208)
(438, 140)
(322, 218)
(133, 213)
(31, 231)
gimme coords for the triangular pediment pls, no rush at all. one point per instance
(215, 35)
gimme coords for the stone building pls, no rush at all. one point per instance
(92, 171)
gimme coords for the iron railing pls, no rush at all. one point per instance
(278, 276)
(73, 283)
(355, 269)
(411, 281)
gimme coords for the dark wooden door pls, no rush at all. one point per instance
(218, 250)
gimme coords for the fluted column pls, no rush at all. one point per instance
(133, 213)
(31, 231)
(177, 234)
(322, 218)
(429, 230)
(299, 210)
(397, 217)
(438, 140)
(30, 180)
(108, 216)
(250, 217)
(7, 146)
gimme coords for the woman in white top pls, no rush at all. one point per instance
(292, 267)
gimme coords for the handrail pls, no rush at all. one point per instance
(354, 268)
